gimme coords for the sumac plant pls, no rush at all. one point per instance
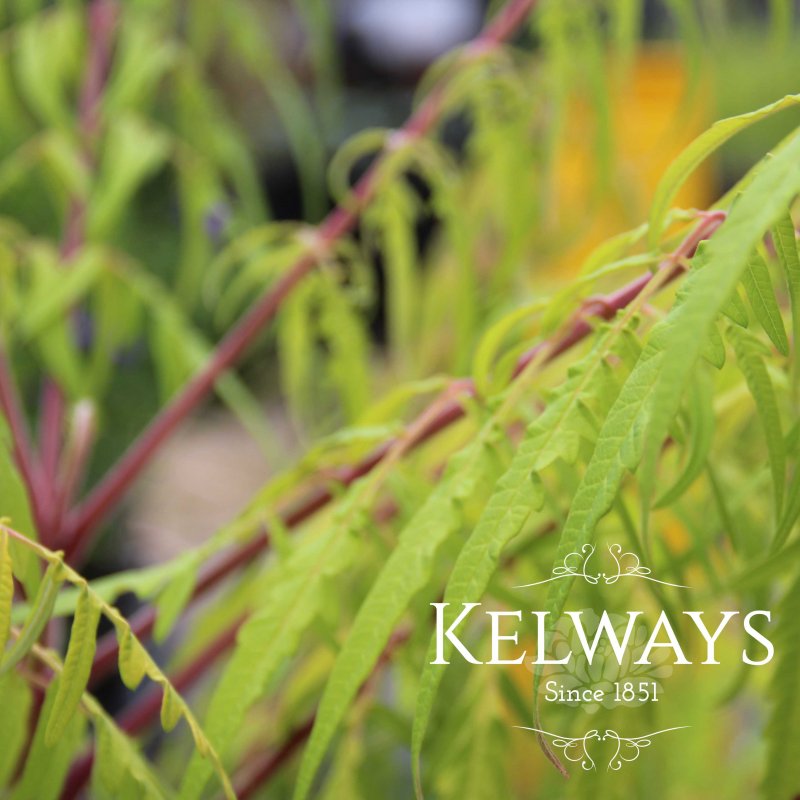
(516, 401)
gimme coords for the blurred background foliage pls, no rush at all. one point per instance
(139, 219)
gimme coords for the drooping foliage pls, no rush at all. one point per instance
(533, 387)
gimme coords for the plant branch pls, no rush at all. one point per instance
(145, 708)
(598, 308)
(102, 21)
(83, 523)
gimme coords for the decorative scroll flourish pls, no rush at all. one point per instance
(626, 565)
(627, 749)
(573, 748)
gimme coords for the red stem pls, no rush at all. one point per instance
(83, 523)
(599, 308)
(102, 21)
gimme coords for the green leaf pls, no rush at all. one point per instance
(786, 247)
(292, 602)
(749, 356)
(119, 771)
(702, 147)
(406, 572)
(790, 514)
(39, 616)
(43, 72)
(706, 291)
(492, 340)
(16, 700)
(62, 293)
(760, 293)
(173, 599)
(701, 434)
(782, 780)
(6, 590)
(46, 766)
(132, 657)
(14, 506)
(77, 666)
(171, 709)
(134, 151)
(518, 493)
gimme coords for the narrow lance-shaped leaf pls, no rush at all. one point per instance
(701, 434)
(518, 492)
(16, 699)
(790, 514)
(173, 599)
(782, 778)
(57, 572)
(6, 589)
(46, 765)
(707, 290)
(77, 666)
(786, 247)
(760, 293)
(269, 638)
(755, 372)
(702, 147)
(406, 572)
(37, 619)
(132, 657)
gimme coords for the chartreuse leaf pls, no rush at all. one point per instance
(782, 779)
(347, 347)
(40, 613)
(405, 573)
(293, 601)
(119, 769)
(174, 598)
(702, 147)
(760, 293)
(133, 151)
(132, 657)
(294, 598)
(135, 661)
(62, 293)
(701, 430)
(749, 355)
(394, 217)
(517, 493)
(786, 247)
(6, 589)
(193, 350)
(77, 666)
(16, 699)
(492, 340)
(14, 506)
(46, 765)
(618, 449)
(790, 514)
(706, 292)
(43, 72)
(642, 413)
(171, 710)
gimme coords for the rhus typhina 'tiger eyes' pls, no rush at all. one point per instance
(480, 473)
